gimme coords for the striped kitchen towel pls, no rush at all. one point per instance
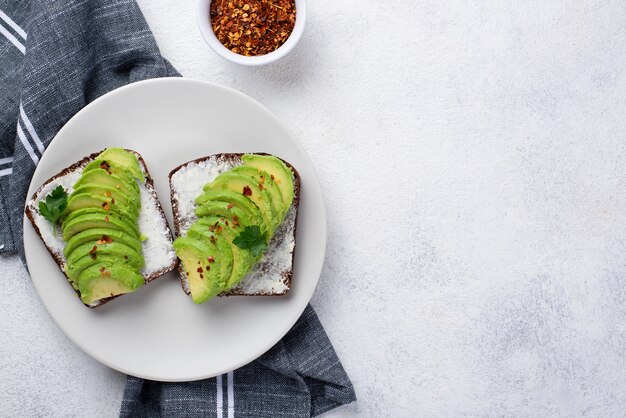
(56, 56)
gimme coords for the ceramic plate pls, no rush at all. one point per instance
(158, 332)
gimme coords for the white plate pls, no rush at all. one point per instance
(158, 332)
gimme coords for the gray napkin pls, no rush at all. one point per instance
(57, 56)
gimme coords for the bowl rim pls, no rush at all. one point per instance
(203, 20)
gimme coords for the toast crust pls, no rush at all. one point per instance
(59, 260)
(236, 157)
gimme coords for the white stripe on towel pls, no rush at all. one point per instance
(13, 39)
(231, 395)
(31, 130)
(14, 25)
(6, 160)
(6, 171)
(219, 395)
(26, 144)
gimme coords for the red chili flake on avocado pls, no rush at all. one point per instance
(211, 259)
(230, 206)
(105, 166)
(108, 194)
(213, 239)
(199, 270)
(235, 221)
(260, 187)
(247, 191)
(262, 180)
(112, 201)
(105, 205)
(106, 219)
(272, 176)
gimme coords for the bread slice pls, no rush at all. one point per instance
(158, 251)
(272, 275)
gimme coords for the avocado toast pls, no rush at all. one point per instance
(235, 217)
(102, 222)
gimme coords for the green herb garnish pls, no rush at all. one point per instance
(251, 239)
(55, 204)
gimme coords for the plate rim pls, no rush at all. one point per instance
(312, 179)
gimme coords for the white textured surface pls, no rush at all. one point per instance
(472, 156)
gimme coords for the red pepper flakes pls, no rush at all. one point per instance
(105, 205)
(211, 259)
(252, 27)
(230, 206)
(247, 191)
(199, 270)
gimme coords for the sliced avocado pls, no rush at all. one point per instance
(100, 235)
(214, 238)
(264, 181)
(100, 201)
(125, 183)
(242, 260)
(115, 196)
(130, 222)
(117, 249)
(279, 173)
(101, 219)
(237, 199)
(226, 210)
(122, 158)
(106, 279)
(75, 268)
(248, 187)
(205, 280)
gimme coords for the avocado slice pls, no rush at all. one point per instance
(100, 201)
(242, 260)
(226, 210)
(101, 235)
(121, 181)
(205, 276)
(223, 246)
(117, 249)
(115, 196)
(127, 221)
(248, 187)
(75, 268)
(237, 200)
(264, 182)
(279, 173)
(100, 219)
(124, 159)
(106, 279)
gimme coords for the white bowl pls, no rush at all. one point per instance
(204, 23)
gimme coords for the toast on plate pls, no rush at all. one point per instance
(235, 216)
(105, 247)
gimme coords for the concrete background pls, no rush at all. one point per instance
(472, 156)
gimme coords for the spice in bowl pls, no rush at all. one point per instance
(252, 27)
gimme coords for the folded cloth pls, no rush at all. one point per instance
(56, 57)
(300, 376)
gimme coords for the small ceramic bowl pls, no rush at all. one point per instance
(204, 23)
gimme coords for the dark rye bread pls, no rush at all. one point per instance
(283, 232)
(31, 210)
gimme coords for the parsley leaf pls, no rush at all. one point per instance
(252, 239)
(55, 204)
